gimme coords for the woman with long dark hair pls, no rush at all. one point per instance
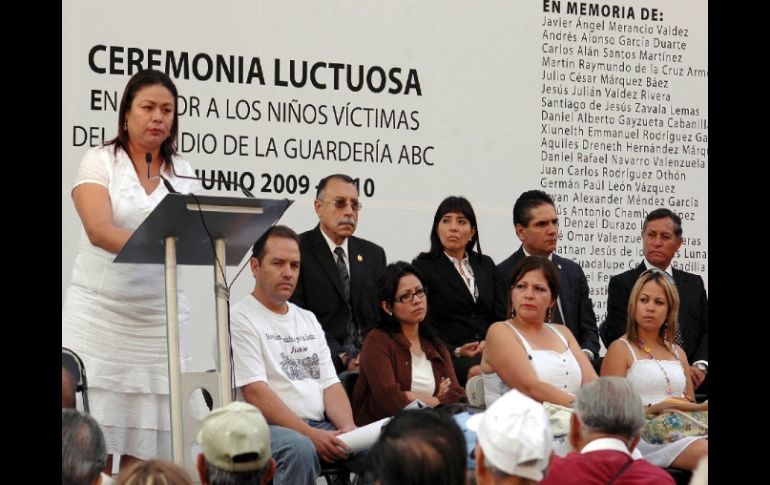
(401, 359)
(466, 293)
(114, 315)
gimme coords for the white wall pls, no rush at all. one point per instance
(480, 68)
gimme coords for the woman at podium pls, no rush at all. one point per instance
(114, 315)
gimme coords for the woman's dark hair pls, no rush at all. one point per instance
(140, 80)
(532, 263)
(419, 447)
(387, 286)
(460, 205)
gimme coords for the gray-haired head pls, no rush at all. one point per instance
(83, 450)
(610, 405)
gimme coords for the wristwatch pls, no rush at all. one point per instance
(703, 367)
(456, 352)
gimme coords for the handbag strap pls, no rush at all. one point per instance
(620, 472)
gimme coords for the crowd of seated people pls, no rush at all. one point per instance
(419, 332)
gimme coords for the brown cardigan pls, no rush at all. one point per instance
(386, 374)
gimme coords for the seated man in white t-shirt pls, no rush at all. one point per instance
(283, 366)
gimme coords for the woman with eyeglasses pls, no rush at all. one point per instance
(401, 359)
(466, 293)
(657, 368)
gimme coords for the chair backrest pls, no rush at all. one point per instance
(348, 380)
(73, 363)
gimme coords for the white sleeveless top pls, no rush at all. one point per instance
(649, 380)
(559, 369)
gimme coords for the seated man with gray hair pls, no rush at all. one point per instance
(608, 415)
(235, 441)
(83, 450)
(514, 441)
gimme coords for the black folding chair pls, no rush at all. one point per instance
(74, 365)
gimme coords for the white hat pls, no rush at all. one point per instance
(235, 431)
(515, 435)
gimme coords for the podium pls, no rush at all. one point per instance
(198, 230)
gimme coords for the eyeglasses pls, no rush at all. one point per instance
(658, 271)
(342, 203)
(408, 297)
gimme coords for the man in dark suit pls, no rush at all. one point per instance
(661, 239)
(537, 226)
(338, 273)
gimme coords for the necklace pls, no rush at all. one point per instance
(648, 350)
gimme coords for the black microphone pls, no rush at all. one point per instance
(169, 187)
(245, 191)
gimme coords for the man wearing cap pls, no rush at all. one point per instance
(235, 441)
(661, 240)
(338, 281)
(608, 415)
(283, 366)
(514, 441)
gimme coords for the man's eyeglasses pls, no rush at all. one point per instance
(342, 203)
(408, 297)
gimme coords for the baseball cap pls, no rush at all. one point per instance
(236, 438)
(514, 435)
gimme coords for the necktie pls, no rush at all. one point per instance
(351, 343)
(343, 271)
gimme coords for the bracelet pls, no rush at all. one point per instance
(456, 352)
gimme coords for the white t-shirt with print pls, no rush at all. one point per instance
(288, 352)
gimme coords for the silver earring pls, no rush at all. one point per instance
(125, 126)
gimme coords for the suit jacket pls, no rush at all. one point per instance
(693, 310)
(576, 306)
(386, 375)
(598, 467)
(458, 319)
(319, 288)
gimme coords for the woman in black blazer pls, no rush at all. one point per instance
(464, 292)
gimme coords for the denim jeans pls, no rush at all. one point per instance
(356, 462)
(295, 457)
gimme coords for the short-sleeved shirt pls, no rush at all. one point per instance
(288, 352)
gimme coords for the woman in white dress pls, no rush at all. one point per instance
(113, 315)
(656, 367)
(543, 361)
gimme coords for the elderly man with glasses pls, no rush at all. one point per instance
(339, 272)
